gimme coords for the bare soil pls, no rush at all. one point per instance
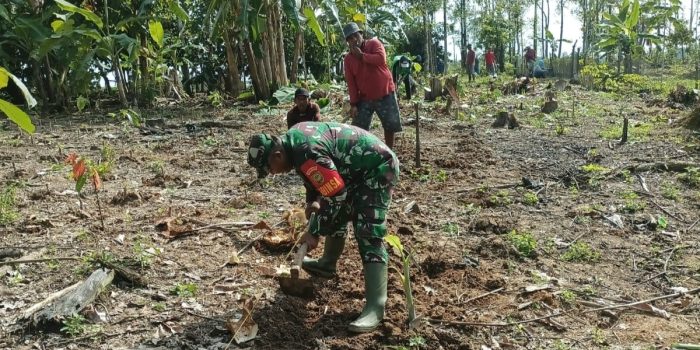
(470, 195)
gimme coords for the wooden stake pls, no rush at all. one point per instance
(625, 126)
(417, 136)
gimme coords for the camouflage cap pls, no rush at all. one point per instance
(259, 149)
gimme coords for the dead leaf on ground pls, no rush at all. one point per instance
(233, 260)
(245, 328)
(172, 227)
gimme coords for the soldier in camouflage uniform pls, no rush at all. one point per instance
(350, 173)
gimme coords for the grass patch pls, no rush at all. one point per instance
(501, 199)
(632, 202)
(76, 325)
(594, 168)
(670, 191)
(581, 252)
(636, 132)
(8, 211)
(691, 177)
(523, 242)
(530, 198)
(185, 290)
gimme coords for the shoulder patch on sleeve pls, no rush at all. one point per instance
(327, 181)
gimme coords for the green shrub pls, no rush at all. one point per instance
(523, 242)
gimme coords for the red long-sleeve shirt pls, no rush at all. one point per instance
(490, 58)
(368, 78)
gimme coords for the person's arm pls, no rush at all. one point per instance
(322, 176)
(350, 79)
(290, 119)
(317, 112)
(374, 53)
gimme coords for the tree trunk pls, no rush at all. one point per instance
(561, 26)
(257, 73)
(232, 63)
(265, 59)
(116, 67)
(427, 58)
(534, 28)
(50, 92)
(143, 67)
(281, 60)
(39, 82)
(463, 33)
(295, 57)
(444, 28)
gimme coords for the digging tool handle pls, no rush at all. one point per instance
(301, 252)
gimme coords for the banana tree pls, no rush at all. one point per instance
(620, 32)
(22, 27)
(12, 112)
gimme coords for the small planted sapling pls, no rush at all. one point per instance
(82, 171)
(404, 273)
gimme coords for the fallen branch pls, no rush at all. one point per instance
(499, 324)
(671, 166)
(693, 225)
(663, 297)
(99, 335)
(488, 187)
(483, 295)
(559, 314)
(27, 261)
(666, 211)
(70, 300)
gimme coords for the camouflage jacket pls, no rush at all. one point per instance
(335, 159)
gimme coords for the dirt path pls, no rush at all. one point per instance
(475, 228)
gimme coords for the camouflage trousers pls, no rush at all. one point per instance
(366, 207)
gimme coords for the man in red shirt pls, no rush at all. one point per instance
(304, 110)
(370, 84)
(530, 56)
(471, 59)
(491, 62)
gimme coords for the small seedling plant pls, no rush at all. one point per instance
(405, 274)
(82, 171)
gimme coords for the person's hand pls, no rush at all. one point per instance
(310, 240)
(353, 112)
(312, 207)
(356, 51)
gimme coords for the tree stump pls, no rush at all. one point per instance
(501, 120)
(550, 106)
(550, 102)
(512, 121)
(451, 91)
(435, 89)
(561, 85)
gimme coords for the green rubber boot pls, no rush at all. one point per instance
(376, 275)
(325, 266)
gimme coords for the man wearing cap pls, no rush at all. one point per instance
(351, 174)
(303, 110)
(370, 84)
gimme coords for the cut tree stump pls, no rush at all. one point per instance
(70, 300)
(550, 106)
(550, 102)
(501, 120)
(435, 89)
(512, 121)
